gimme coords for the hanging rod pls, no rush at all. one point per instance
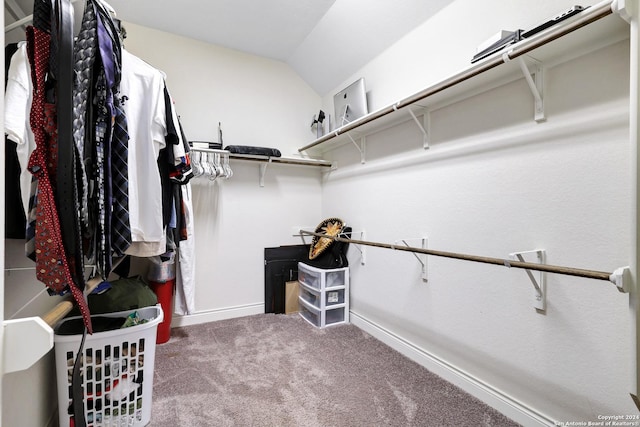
(614, 277)
(594, 13)
(64, 307)
(209, 150)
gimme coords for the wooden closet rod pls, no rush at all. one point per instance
(590, 274)
(64, 307)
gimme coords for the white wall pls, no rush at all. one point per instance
(259, 102)
(495, 182)
(444, 45)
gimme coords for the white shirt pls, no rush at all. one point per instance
(17, 108)
(142, 97)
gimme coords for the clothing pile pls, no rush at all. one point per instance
(104, 164)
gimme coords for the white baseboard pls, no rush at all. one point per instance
(502, 402)
(217, 314)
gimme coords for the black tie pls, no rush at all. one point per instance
(120, 226)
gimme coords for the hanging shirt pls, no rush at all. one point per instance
(17, 105)
(142, 97)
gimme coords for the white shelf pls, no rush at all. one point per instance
(592, 29)
(284, 160)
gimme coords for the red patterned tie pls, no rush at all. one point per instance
(52, 267)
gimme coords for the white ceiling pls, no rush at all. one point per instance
(324, 41)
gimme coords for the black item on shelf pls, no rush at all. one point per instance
(553, 21)
(211, 145)
(257, 151)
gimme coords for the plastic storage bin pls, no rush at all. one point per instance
(319, 278)
(117, 371)
(324, 295)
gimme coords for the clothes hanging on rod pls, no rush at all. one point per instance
(15, 219)
(114, 108)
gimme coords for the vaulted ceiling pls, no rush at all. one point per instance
(324, 41)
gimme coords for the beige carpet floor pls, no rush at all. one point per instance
(277, 370)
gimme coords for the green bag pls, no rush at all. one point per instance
(125, 294)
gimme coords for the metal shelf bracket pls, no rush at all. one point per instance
(424, 126)
(539, 284)
(422, 258)
(360, 147)
(263, 171)
(362, 250)
(535, 79)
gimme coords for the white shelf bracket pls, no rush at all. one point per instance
(360, 147)
(621, 277)
(263, 171)
(20, 353)
(425, 126)
(539, 284)
(422, 258)
(535, 80)
(362, 250)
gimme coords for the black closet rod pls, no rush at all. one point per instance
(590, 274)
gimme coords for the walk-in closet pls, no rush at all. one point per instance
(320, 213)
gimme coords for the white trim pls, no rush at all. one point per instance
(507, 405)
(217, 314)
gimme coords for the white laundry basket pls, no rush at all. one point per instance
(117, 371)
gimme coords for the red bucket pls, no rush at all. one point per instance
(164, 292)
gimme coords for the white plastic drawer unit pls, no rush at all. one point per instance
(319, 278)
(321, 318)
(310, 296)
(314, 297)
(334, 316)
(310, 315)
(324, 295)
(334, 297)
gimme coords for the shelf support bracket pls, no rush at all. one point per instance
(539, 284)
(360, 147)
(363, 253)
(422, 258)
(424, 126)
(536, 84)
(263, 171)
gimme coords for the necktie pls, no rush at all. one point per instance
(117, 179)
(52, 267)
(120, 226)
(84, 57)
(102, 133)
